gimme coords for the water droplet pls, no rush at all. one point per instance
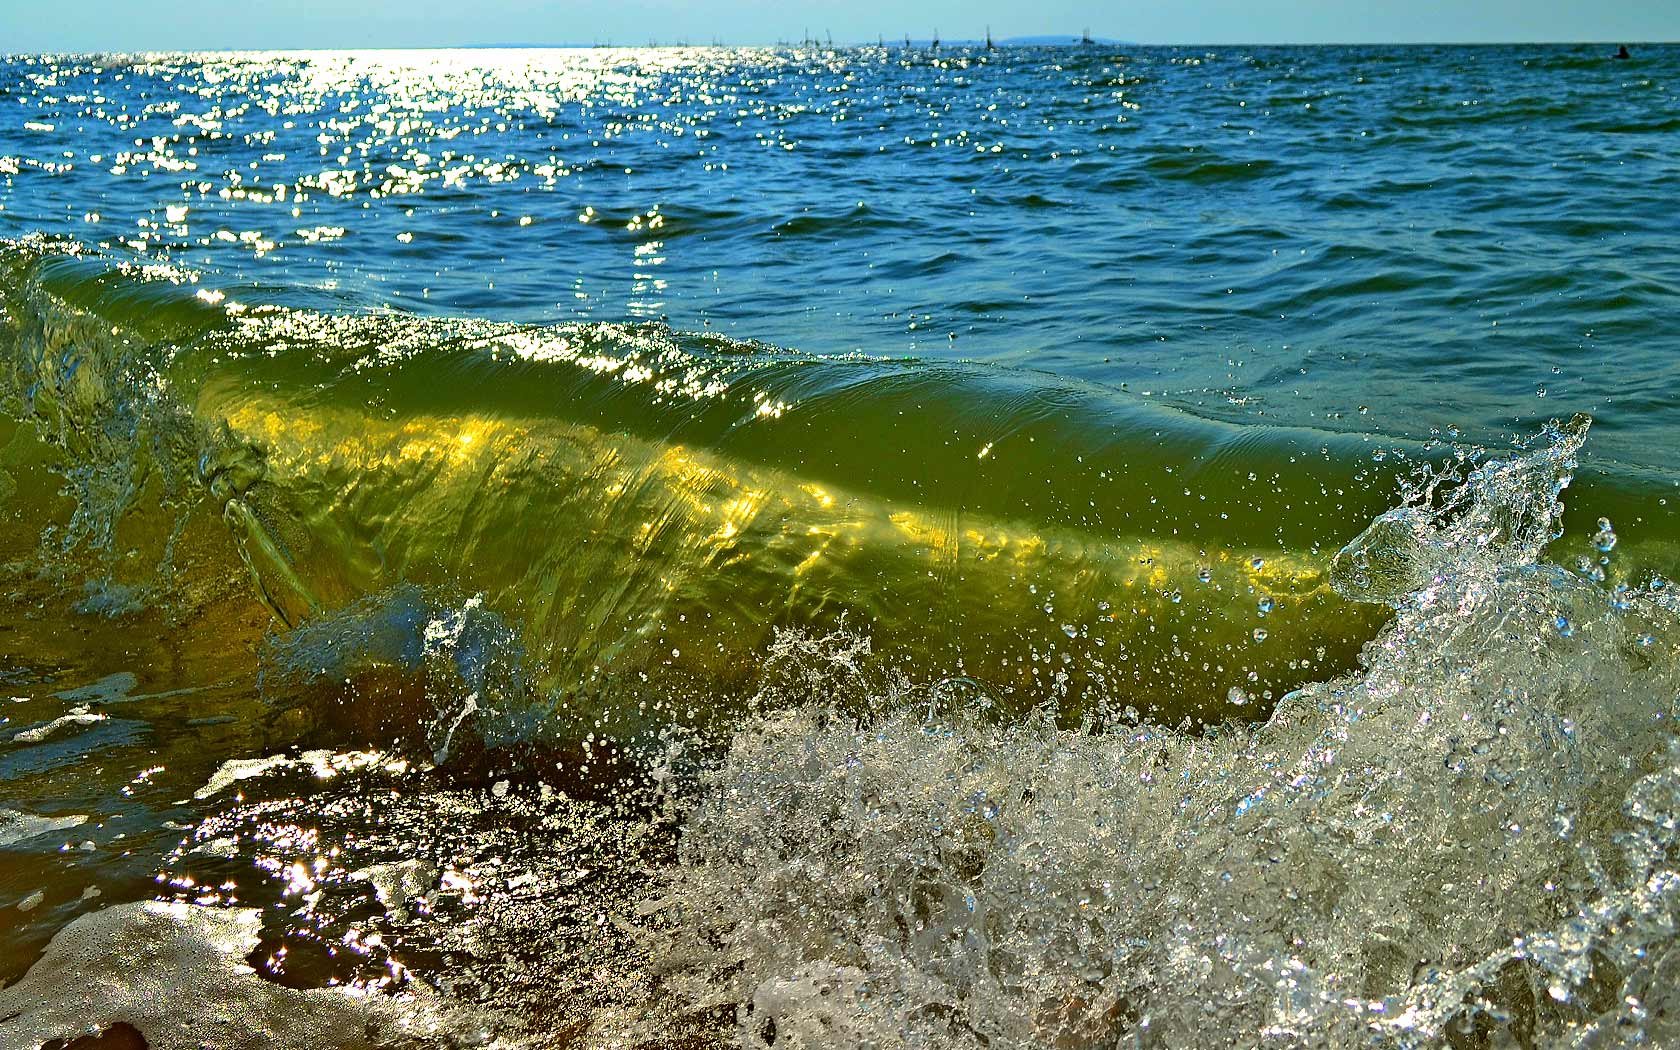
(1605, 538)
(1258, 564)
(1259, 634)
(1265, 606)
(1204, 574)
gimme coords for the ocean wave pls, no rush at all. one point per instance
(643, 508)
(982, 707)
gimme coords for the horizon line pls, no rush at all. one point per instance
(926, 43)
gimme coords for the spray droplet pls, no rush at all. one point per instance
(1605, 538)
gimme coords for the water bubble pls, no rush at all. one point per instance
(1204, 574)
(1176, 597)
(1237, 696)
(1265, 606)
(1605, 538)
(1259, 634)
(1258, 564)
(1070, 630)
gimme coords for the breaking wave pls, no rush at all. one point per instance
(1471, 840)
(1030, 714)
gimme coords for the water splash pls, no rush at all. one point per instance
(1469, 842)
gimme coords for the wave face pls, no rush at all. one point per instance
(637, 509)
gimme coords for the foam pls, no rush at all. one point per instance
(322, 763)
(78, 717)
(17, 826)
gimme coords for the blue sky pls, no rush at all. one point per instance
(45, 25)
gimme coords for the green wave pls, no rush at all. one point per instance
(644, 508)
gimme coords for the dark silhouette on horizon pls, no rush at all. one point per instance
(1622, 52)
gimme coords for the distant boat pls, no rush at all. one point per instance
(1085, 37)
(936, 40)
(989, 45)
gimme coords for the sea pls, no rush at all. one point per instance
(886, 546)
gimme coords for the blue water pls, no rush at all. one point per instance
(1396, 240)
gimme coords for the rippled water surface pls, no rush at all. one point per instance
(1361, 238)
(1038, 547)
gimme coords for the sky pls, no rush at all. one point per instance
(119, 25)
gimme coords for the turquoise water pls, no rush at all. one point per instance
(1363, 239)
(869, 547)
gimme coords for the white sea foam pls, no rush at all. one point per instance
(17, 826)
